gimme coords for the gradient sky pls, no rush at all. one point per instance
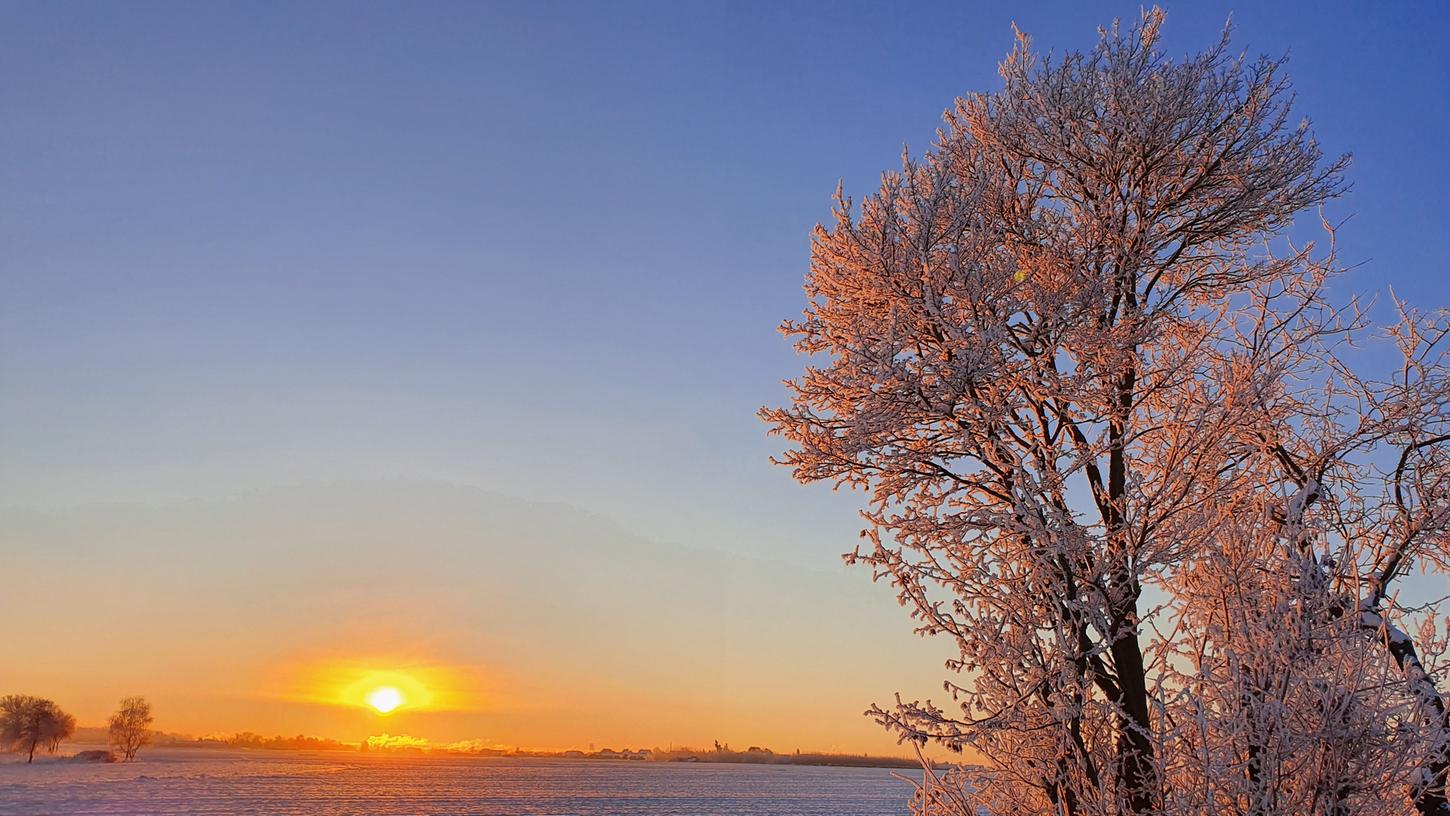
(431, 334)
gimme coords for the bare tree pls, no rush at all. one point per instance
(131, 726)
(28, 723)
(1112, 450)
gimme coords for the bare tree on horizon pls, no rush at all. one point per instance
(130, 726)
(28, 723)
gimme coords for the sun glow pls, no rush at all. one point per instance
(389, 685)
(385, 699)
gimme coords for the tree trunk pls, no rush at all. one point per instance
(1135, 747)
(1136, 773)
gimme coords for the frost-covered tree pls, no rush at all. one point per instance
(1115, 452)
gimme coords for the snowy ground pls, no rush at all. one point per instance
(200, 781)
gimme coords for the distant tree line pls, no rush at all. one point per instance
(247, 739)
(28, 723)
(755, 755)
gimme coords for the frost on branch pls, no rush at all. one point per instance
(1110, 453)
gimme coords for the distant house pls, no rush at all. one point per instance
(610, 753)
(573, 754)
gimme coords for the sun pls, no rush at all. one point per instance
(385, 699)
(410, 688)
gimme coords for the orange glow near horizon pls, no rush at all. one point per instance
(479, 631)
(383, 689)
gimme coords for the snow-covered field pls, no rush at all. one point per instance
(192, 781)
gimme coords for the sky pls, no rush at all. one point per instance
(339, 337)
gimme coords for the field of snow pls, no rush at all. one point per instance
(195, 781)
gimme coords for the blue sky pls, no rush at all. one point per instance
(538, 249)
